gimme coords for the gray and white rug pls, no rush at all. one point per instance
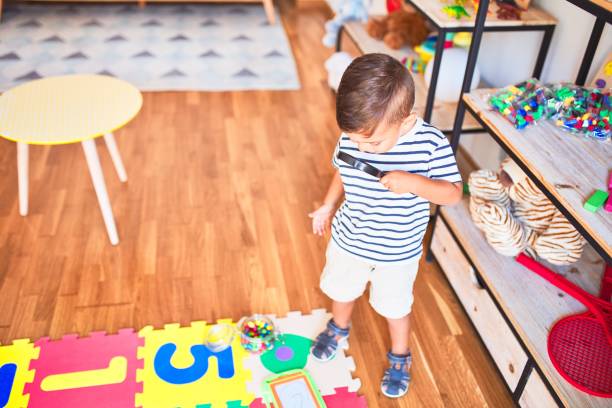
(160, 47)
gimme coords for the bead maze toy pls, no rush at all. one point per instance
(168, 367)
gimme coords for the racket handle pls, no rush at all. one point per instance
(559, 281)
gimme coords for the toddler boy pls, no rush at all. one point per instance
(377, 233)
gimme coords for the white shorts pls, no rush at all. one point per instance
(345, 277)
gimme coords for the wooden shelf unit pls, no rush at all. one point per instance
(528, 304)
(443, 113)
(534, 16)
(566, 167)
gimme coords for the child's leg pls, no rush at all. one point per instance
(399, 329)
(344, 279)
(341, 312)
(391, 296)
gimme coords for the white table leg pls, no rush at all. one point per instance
(115, 156)
(269, 8)
(22, 177)
(93, 162)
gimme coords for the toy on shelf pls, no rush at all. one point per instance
(414, 64)
(427, 48)
(515, 216)
(511, 9)
(522, 103)
(596, 201)
(257, 333)
(576, 109)
(462, 40)
(580, 345)
(403, 26)
(456, 9)
(294, 388)
(335, 65)
(393, 5)
(348, 10)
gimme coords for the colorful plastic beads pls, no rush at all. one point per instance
(521, 104)
(257, 334)
(579, 110)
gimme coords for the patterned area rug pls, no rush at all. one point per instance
(160, 47)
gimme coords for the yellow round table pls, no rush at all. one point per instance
(70, 109)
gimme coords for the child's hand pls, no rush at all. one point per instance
(398, 181)
(321, 219)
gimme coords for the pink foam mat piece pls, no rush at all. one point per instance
(73, 354)
(343, 398)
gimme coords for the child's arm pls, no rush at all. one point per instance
(322, 216)
(439, 192)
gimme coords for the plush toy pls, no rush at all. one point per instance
(335, 66)
(516, 216)
(347, 11)
(404, 26)
(511, 9)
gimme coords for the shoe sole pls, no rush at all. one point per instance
(394, 396)
(343, 343)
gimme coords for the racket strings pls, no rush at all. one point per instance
(581, 350)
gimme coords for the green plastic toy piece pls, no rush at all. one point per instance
(297, 346)
(596, 201)
(466, 189)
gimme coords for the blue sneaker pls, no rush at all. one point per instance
(397, 377)
(326, 345)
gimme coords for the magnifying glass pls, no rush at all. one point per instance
(360, 165)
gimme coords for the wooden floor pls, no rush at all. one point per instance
(213, 223)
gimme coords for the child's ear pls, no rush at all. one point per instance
(409, 121)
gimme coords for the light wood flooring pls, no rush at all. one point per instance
(213, 223)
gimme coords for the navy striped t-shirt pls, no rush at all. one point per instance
(375, 224)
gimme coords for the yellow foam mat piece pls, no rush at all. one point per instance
(115, 373)
(209, 389)
(21, 352)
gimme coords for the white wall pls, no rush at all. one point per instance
(509, 57)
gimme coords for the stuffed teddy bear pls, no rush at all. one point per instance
(403, 26)
(348, 10)
(516, 216)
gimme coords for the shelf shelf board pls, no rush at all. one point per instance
(531, 304)
(569, 167)
(443, 113)
(534, 16)
(604, 4)
(599, 8)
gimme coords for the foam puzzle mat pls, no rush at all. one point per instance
(167, 367)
